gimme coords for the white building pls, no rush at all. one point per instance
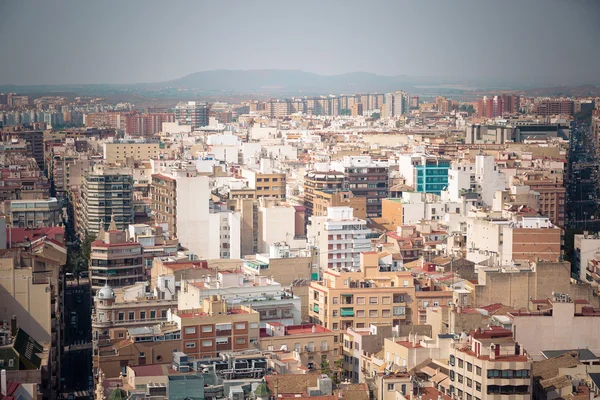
(340, 238)
(237, 288)
(396, 104)
(586, 248)
(276, 224)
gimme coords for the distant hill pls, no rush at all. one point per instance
(290, 81)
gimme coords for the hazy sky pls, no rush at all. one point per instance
(106, 41)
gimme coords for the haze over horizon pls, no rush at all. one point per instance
(74, 42)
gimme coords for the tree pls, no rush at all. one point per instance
(376, 116)
(86, 245)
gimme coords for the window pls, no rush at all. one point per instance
(386, 313)
(436, 303)
(360, 300)
(190, 330)
(131, 315)
(386, 300)
(460, 363)
(469, 382)
(507, 373)
(522, 373)
(240, 326)
(390, 387)
(469, 367)
(452, 360)
(11, 363)
(207, 328)
(142, 354)
(222, 340)
(152, 314)
(163, 313)
(460, 378)
(240, 341)
(360, 313)
(373, 313)
(142, 314)
(478, 386)
(373, 300)
(335, 326)
(121, 316)
(336, 313)
(469, 397)
(207, 343)
(254, 325)
(190, 345)
(405, 283)
(334, 300)
(121, 335)
(478, 370)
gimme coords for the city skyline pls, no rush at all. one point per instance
(549, 41)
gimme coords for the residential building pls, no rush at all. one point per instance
(266, 181)
(163, 192)
(355, 299)
(339, 237)
(548, 107)
(34, 213)
(114, 260)
(146, 124)
(559, 323)
(192, 113)
(134, 149)
(142, 345)
(115, 311)
(33, 138)
(106, 195)
(216, 327)
(325, 198)
(312, 346)
(490, 365)
(365, 177)
(426, 173)
(396, 104)
(318, 180)
(586, 246)
(261, 293)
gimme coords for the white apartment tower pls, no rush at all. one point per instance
(340, 238)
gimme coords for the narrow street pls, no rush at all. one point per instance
(77, 360)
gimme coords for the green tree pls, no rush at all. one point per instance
(376, 116)
(86, 245)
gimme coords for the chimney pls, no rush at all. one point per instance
(492, 351)
(13, 326)
(3, 382)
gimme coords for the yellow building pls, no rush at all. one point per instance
(311, 345)
(136, 150)
(355, 299)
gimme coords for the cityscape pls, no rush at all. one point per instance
(255, 223)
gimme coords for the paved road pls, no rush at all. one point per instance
(77, 360)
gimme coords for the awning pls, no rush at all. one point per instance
(347, 295)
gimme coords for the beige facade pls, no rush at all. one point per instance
(372, 295)
(115, 261)
(163, 192)
(322, 199)
(491, 366)
(217, 327)
(115, 152)
(311, 345)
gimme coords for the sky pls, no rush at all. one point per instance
(110, 41)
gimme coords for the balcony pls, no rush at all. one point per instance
(223, 332)
(347, 312)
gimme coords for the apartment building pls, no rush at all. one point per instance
(163, 192)
(312, 346)
(318, 180)
(587, 246)
(548, 107)
(357, 343)
(33, 213)
(374, 294)
(216, 327)
(143, 345)
(325, 198)
(115, 261)
(505, 241)
(115, 311)
(365, 177)
(261, 293)
(396, 104)
(192, 113)
(426, 173)
(21, 178)
(559, 322)
(106, 195)
(340, 238)
(489, 365)
(266, 182)
(551, 191)
(33, 138)
(146, 124)
(137, 150)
